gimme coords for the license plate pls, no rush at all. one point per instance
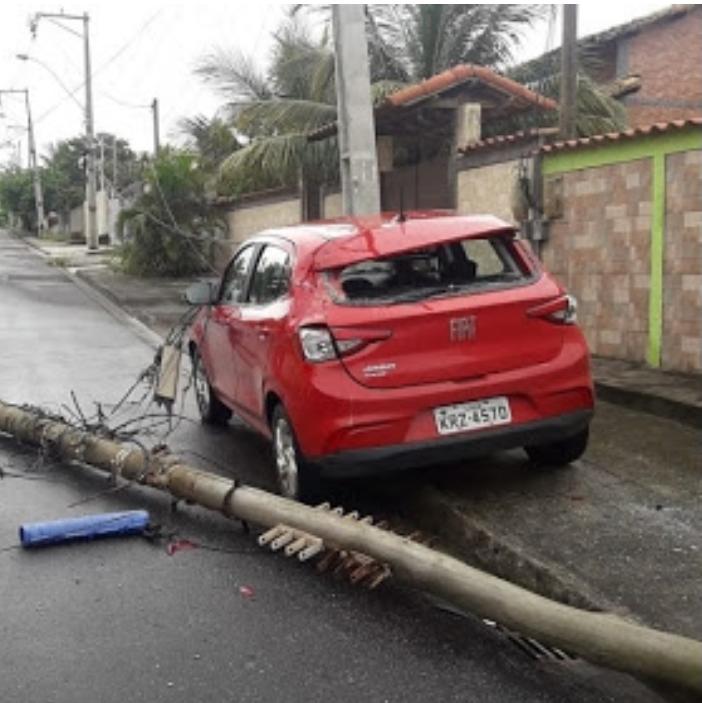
(475, 415)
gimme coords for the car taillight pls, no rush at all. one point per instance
(322, 344)
(562, 310)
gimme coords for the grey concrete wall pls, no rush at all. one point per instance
(488, 189)
(245, 220)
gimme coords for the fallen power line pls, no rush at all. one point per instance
(601, 638)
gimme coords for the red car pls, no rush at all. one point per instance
(375, 344)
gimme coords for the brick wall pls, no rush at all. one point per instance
(682, 286)
(599, 250)
(668, 57)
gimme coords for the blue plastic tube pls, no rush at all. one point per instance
(130, 522)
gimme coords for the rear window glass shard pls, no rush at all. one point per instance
(436, 271)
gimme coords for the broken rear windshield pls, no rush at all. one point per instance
(436, 271)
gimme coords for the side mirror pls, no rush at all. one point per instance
(201, 293)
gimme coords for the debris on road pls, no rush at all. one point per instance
(247, 591)
(179, 545)
(37, 534)
(359, 568)
(601, 638)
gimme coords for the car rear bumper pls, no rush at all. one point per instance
(377, 460)
(334, 415)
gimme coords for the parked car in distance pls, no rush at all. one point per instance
(376, 344)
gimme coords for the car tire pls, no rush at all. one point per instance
(212, 410)
(561, 452)
(295, 477)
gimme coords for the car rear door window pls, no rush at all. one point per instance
(271, 278)
(233, 288)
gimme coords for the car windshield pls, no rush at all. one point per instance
(440, 270)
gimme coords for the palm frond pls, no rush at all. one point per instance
(280, 160)
(427, 39)
(234, 74)
(279, 116)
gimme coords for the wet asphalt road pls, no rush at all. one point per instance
(124, 621)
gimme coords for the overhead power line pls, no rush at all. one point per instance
(102, 66)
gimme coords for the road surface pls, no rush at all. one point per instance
(122, 620)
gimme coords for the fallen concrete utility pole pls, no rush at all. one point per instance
(597, 637)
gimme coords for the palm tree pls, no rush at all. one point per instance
(276, 110)
(597, 111)
(212, 138)
(409, 43)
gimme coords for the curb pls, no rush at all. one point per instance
(109, 304)
(102, 297)
(652, 404)
(472, 541)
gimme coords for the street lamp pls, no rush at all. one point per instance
(57, 78)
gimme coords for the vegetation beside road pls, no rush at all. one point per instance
(172, 229)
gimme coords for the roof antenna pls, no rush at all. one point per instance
(401, 217)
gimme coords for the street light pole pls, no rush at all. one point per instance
(91, 233)
(157, 140)
(33, 161)
(38, 195)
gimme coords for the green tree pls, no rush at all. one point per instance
(170, 229)
(64, 175)
(129, 164)
(17, 196)
(597, 111)
(211, 138)
(274, 111)
(409, 43)
(64, 168)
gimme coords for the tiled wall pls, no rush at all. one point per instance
(600, 249)
(682, 282)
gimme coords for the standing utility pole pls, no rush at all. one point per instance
(157, 141)
(33, 162)
(91, 233)
(569, 72)
(114, 166)
(359, 162)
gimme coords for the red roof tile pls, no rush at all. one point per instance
(461, 74)
(625, 134)
(507, 139)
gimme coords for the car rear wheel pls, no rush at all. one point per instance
(559, 453)
(295, 478)
(212, 410)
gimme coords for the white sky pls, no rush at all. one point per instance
(143, 49)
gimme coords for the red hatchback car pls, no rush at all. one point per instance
(366, 345)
